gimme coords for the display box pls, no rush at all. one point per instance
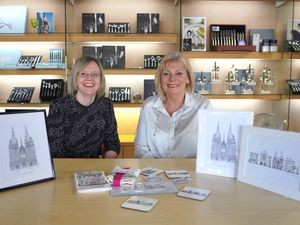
(120, 94)
(147, 23)
(152, 61)
(149, 88)
(93, 51)
(51, 89)
(56, 55)
(229, 37)
(93, 23)
(194, 34)
(113, 57)
(20, 95)
(118, 28)
(294, 86)
(29, 60)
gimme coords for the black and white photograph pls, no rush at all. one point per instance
(93, 23)
(113, 57)
(25, 155)
(140, 203)
(194, 34)
(149, 88)
(219, 135)
(270, 160)
(147, 23)
(193, 193)
(93, 51)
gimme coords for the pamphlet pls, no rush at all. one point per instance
(91, 181)
(140, 203)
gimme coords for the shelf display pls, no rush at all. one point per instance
(152, 61)
(194, 33)
(147, 23)
(294, 86)
(51, 89)
(118, 28)
(13, 19)
(20, 95)
(120, 94)
(45, 22)
(149, 88)
(93, 23)
(202, 82)
(113, 57)
(29, 61)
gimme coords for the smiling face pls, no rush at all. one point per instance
(88, 81)
(174, 79)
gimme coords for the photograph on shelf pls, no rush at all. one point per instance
(270, 160)
(149, 88)
(293, 30)
(194, 33)
(93, 23)
(25, 154)
(13, 19)
(45, 22)
(93, 51)
(219, 135)
(113, 57)
(147, 23)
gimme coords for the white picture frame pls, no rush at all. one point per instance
(194, 28)
(218, 147)
(24, 149)
(13, 19)
(270, 159)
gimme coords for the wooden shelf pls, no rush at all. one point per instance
(33, 72)
(33, 37)
(233, 55)
(83, 38)
(130, 71)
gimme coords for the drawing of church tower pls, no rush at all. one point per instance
(22, 155)
(223, 149)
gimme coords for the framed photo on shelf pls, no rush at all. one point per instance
(25, 156)
(13, 19)
(45, 22)
(93, 23)
(194, 34)
(219, 135)
(270, 159)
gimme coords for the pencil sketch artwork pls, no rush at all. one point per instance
(224, 146)
(22, 152)
(274, 161)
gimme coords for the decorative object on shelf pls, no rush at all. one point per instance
(266, 80)
(118, 28)
(25, 155)
(93, 51)
(46, 22)
(194, 33)
(20, 95)
(293, 30)
(137, 98)
(294, 86)
(202, 82)
(34, 22)
(248, 81)
(51, 89)
(219, 139)
(29, 60)
(293, 46)
(113, 57)
(215, 77)
(13, 19)
(225, 37)
(269, 45)
(269, 159)
(149, 88)
(257, 35)
(147, 23)
(55, 55)
(93, 23)
(152, 61)
(120, 94)
(232, 80)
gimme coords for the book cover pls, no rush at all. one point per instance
(91, 181)
(148, 23)
(113, 57)
(93, 23)
(45, 22)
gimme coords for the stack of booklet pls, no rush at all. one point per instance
(91, 181)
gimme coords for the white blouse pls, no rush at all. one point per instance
(161, 136)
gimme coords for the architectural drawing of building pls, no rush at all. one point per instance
(223, 149)
(274, 162)
(21, 155)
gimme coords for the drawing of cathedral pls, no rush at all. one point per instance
(223, 149)
(275, 162)
(21, 155)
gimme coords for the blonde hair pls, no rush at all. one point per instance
(174, 57)
(80, 65)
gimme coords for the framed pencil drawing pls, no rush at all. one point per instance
(13, 19)
(24, 149)
(219, 134)
(270, 159)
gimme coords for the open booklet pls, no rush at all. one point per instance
(91, 181)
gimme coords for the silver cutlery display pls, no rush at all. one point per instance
(152, 61)
(51, 89)
(20, 95)
(266, 80)
(120, 94)
(118, 28)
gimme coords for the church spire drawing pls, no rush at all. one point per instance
(21, 155)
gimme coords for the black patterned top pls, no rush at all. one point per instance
(77, 131)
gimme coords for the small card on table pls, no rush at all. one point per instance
(177, 173)
(151, 171)
(193, 193)
(140, 203)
